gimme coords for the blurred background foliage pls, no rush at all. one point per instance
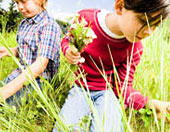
(10, 19)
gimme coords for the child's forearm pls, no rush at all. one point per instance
(15, 85)
(159, 105)
(14, 51)
(4, 51)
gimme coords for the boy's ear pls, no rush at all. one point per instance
(119, 5)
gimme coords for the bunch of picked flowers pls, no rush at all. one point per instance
(80, 35)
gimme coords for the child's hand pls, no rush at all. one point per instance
(161, 107)
(3, 52)
(72, 55)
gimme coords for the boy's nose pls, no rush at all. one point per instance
(149, 31)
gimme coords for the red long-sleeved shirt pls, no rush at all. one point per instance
(98, 60)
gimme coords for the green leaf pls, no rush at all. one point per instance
(168, 116)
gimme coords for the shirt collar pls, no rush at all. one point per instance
(38, 17)
(102, 14)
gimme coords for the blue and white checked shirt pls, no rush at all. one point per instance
(39, 36)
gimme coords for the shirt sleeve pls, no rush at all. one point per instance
(64, 44)
(49, 41)
(132, 97)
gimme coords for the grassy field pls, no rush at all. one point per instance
(152, 78)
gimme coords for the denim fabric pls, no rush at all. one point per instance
(109, 115)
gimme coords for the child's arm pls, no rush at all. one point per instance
(4, 52)
(124, 84)
(15, 85)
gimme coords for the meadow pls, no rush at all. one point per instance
(152, 78)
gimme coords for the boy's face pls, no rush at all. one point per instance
(29, 8)
(133, 28)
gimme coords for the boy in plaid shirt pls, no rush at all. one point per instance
(38, 48)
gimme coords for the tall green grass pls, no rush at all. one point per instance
(7, 65)
(152, 78)
(42, 109)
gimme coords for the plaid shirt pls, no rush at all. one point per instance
(39, 36)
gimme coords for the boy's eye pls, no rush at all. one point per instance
(23, 1)
(157, 23)
(16, 1)
(142, 21)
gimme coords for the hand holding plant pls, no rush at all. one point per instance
(80, 35)
(72, 57)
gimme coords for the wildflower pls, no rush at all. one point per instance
(80, 34)
(91, 34)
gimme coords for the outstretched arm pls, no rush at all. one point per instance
(124, 83)
(4, 52)
(133, 97)
(15, 85)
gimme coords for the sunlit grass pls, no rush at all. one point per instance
(7, 64)
(152, 76)
(40, 99)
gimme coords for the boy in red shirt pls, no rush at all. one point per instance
(118, 42)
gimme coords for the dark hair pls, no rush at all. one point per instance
(149, 7)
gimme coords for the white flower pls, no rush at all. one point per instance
(82, 60)
(84, 30)
(91, 34)
(74, 26)
(80, 37)
(83, 22)
(87, 41)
